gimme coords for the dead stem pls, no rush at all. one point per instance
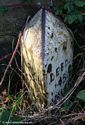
(10, 62)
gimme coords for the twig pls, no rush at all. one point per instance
(79, 117)
(10, 62)
(83, 14)
(73, 115)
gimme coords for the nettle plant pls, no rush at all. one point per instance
(71, 10)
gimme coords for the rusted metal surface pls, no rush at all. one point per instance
(47, 56)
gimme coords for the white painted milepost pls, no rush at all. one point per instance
(47, 57)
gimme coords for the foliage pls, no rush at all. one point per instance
(3, 9)
(7, 115)
(71, 10)
(81, 95)
(74, 105)
(66, 106)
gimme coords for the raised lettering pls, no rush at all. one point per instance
(57, 71)
(49, 69)
(62, 66)
(52, 77)
(64, 78)
(60, 81)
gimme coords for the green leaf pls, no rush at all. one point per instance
(73, 17)
(81, 95)
(80, 18)
(3, 9)
(59, 10)
(80, 3)
(67, 106)
(70, 18)
(69, 7)
(4, 116)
